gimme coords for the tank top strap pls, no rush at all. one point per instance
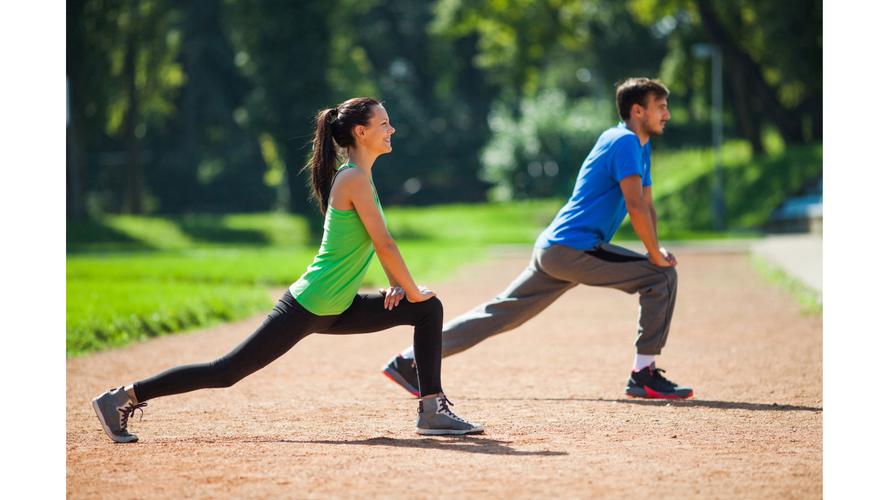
(342, 167)
(349, 165)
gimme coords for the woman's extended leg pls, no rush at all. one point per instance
(287, 324)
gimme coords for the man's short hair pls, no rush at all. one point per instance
(635, 91)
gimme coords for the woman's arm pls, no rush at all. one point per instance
(355, 186)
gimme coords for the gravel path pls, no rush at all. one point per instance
(322, 421)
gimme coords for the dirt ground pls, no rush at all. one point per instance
(323, 422)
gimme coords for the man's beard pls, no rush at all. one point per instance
(656, 131)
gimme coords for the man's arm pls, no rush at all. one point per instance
(646, 193)
(642, 217)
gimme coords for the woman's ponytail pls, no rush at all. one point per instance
(333, 129)
(324, 157)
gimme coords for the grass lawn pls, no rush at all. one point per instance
(132, 278)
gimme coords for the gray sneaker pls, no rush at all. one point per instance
(114, 409)
(436, 419)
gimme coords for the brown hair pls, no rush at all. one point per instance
(333, 128)
(636, 91)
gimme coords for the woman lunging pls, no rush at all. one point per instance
(325, 298)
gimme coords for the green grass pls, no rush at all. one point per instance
(124, 233)
(116, 299)
(128, 281)
(808, 299)
(103, 314)
(474, 224)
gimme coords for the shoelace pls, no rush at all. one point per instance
(128, 411)
(656, 373)
(443, 403)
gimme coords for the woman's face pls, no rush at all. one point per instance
(376, 136)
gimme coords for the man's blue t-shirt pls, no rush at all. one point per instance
(596, 208)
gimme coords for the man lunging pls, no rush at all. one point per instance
(614, 181)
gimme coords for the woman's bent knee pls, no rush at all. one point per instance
(431, 308)
(672, 276)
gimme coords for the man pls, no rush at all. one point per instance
(614, 180)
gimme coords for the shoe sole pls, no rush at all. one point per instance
(114, 437)
(449, 432)
(646, 393)
(396, 377)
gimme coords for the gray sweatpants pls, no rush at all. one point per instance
(555, 270)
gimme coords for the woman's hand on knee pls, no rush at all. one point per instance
(423, 294)
(392, 296)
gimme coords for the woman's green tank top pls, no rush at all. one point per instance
(331, 281)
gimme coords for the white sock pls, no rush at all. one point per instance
(642, 361)
(408, 353)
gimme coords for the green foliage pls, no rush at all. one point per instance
(754, 186)
(481, 92)
(772, 61)
(538, 153)
(437, 98)
(158, 76)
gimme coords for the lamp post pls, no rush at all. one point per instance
(703, 50)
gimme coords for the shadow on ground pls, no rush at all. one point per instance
(457, 443)
(689, 403)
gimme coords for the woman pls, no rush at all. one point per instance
(325, 298)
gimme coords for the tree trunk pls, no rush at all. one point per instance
(741, 63)
(133, 198)
(815, 108)
(747, 112)
(76, 149)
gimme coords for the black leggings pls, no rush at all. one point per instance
(289, 323)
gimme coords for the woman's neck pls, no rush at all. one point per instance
(362, 159)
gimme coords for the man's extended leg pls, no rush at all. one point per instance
(529, 294)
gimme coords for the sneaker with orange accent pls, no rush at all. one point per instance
(650, 383)
(403, 372)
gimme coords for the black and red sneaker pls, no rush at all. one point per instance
(403, 372)
(649, 383)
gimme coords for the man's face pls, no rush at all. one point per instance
(655, 115)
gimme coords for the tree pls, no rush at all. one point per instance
(121, 64)
(772, 52)
(437, 99)
(89, 24)
(286, 53)
(208, 160)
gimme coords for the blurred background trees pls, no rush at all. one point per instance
(207, 106)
